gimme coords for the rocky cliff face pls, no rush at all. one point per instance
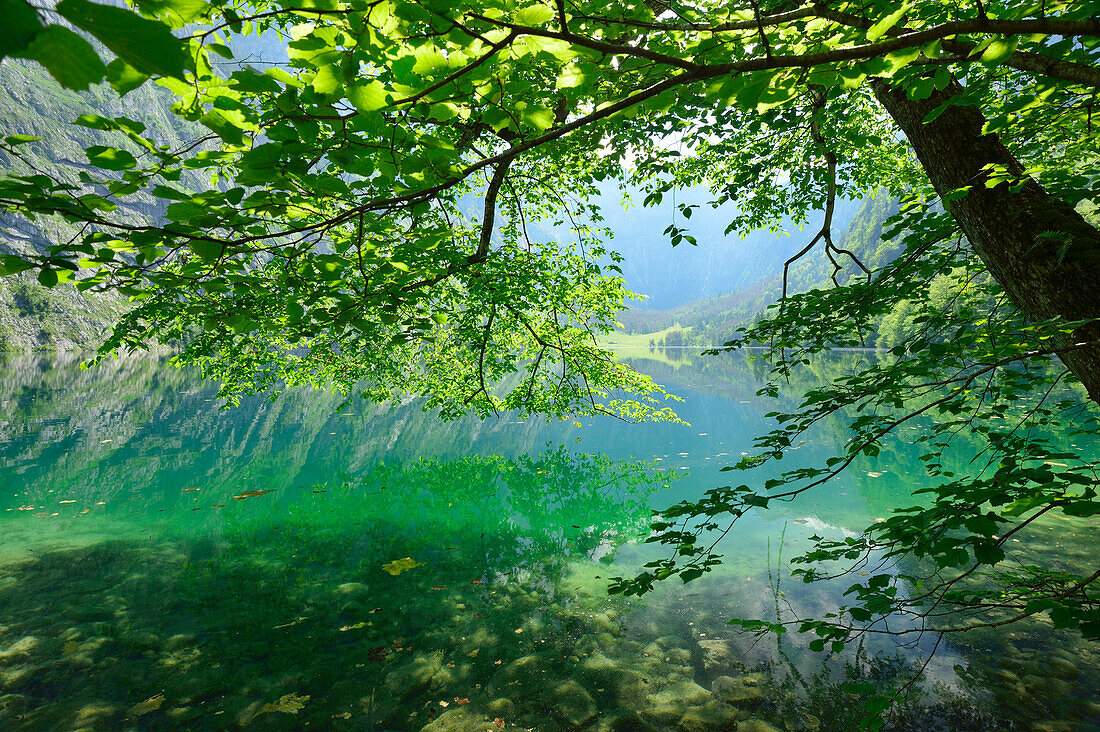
(33, 317)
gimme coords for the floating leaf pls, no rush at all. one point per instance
(404, 564)
(251, 494)
(151, 704)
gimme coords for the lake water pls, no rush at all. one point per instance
(317, 563)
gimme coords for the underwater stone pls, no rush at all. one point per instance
(352, 588)
(11, 704)
(631, 689)
(717, 656)
(98, 714)
(711, 716)
(460, 720)
(573, 704)
(503, 707)
(604, 623)
(678, 656)
(14, 676)
(20, 650)
(522, 678)
(608, 642)
(178, 641)
(756, 725)
(1063, 668)
(140, 641)
(598, 666)
(624, 722)
(666, 707)
(415, 673)
(670, 641)
(740, 691)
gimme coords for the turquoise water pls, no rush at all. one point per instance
(316, 563)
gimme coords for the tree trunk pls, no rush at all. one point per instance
(1021, 235)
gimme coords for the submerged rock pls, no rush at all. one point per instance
(352, 589)
(666, 707)
(420, 671)
(573, 704)
(713, 715)
(460, 720)
(624, 722)
(1063, 668)
(99, 715)
(756, 725)
(20, 650)
(718, 657)
(178, 641)
(739, 691)
(14, 676)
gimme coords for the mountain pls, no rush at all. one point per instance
(718, 263)
(714, 320)
(33, 317)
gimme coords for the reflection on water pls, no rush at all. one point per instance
(306, 563)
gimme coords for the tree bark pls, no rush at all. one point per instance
(1044, 253)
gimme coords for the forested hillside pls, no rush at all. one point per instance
(714, 320)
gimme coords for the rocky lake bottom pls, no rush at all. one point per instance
(301, 564)
(309, 627)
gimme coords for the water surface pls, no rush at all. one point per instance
(315, 562)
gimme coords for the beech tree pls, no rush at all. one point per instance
(337, 243)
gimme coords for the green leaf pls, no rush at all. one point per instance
(223, 126)
(110, 158)
(146, 45)
(70, 59)
(999, 50)
(11, 265)
(877, 30)
(47, 277)
(533, 15)
(367, 96)
(123, 77)
(20, 27)
(987, 552)
(329, 81)
(14, 140)
(186, 11)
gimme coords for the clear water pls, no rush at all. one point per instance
(311, 563)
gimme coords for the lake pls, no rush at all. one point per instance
(315, 562)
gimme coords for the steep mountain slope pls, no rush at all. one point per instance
(33, 317)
